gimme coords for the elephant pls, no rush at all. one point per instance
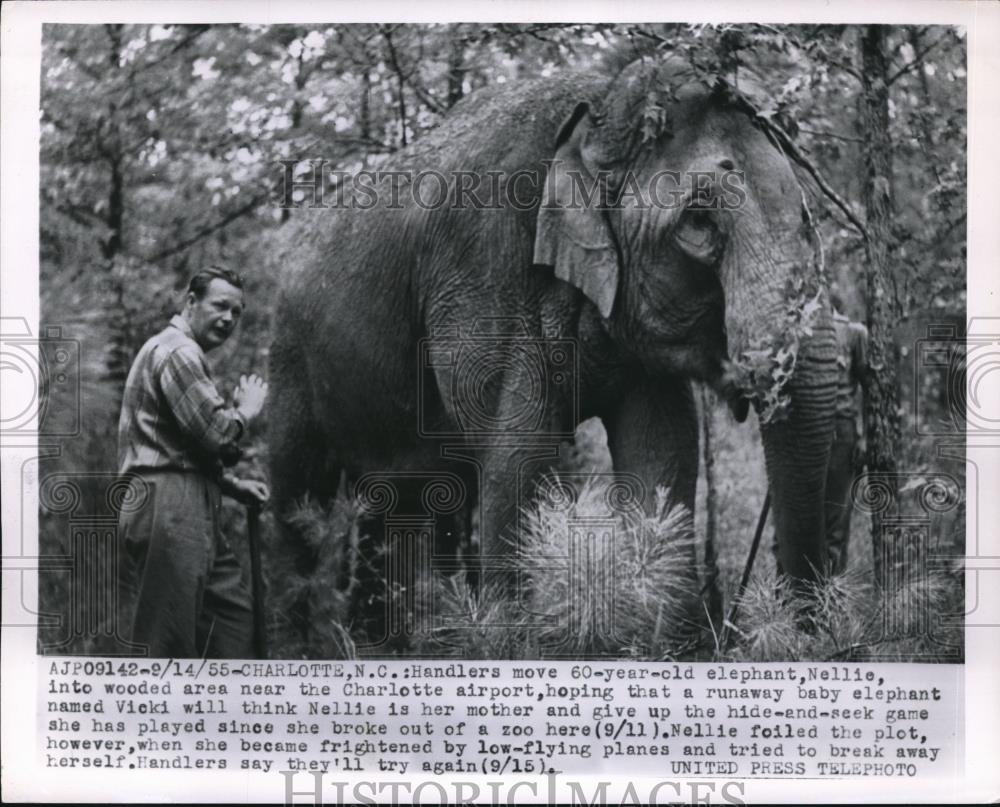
(407, 324)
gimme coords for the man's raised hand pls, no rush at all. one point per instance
(250, 395)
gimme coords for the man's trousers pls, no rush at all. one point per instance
(840, 478)
(182, 582)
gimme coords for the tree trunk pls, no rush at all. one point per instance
(881, 390)
(456, 69)
(301, 76)
(927, 146)
(365, 114)
(400, 87)
(118, 356)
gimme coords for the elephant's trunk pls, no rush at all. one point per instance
(773, 309)
(797, 449)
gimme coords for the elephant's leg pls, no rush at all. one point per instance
(509, 448)
(653, 434)
(299, 467)
(509, 478)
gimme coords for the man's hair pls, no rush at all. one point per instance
(837, 302)
(200, 280)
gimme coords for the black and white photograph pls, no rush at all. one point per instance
(505, 341)
(452, 350)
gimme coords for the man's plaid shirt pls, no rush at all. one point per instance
(173, 417)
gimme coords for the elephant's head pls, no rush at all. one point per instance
(697, 252)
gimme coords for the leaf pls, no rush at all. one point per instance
(809, 309)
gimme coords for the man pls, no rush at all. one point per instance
(175, 434)
(848, 451)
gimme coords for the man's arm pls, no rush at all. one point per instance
(197, 405)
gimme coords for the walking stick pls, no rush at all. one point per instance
(731, 619)
(257, 580)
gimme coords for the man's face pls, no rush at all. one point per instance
(213, 318)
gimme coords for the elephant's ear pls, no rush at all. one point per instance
(572, 236)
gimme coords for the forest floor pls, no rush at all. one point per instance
(659, 609)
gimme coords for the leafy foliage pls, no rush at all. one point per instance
(767, 365)
(646, 567)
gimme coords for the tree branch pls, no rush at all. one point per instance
(400, 80)
(792, 151)
(196, 31)
(404, 77)
(71, 53)
(915, 63)
(81, 215)
(850, 70)
(831, 135)
(819, 51)
(945, 231)
(785, 144)
(424, 96)
(204, 232)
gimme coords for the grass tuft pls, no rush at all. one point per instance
(330, 534)
(607, 583)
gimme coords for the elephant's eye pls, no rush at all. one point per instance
(698, 235)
